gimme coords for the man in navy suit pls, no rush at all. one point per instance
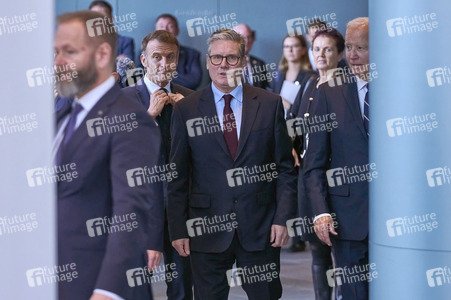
(189, 72)
(335, 158)
(107, 216)
(236, 185)
(256, 71)
(157, 94)
(125, 44)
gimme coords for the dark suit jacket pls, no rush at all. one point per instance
(258, 64)
(140, 93)
(102, 190)
(126, 46)
(344, 146)
(280, 78)
(189, 71)
(202, 189)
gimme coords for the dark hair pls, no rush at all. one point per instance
(321, 25)
(109, 36)
(162, 36)
(168, 16)
(333, 34)
(103, 4)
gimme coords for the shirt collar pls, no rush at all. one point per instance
(92, 97)
(236, 93)
(360, 83)
(152, 87)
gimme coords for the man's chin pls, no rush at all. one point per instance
(67, 90)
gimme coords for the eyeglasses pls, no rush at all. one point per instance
(230, 59)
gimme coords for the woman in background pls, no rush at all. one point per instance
(328, 47)
(294, 66)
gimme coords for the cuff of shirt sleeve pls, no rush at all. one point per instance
(321, 215)
(108, 294)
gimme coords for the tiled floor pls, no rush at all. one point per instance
(295, 274)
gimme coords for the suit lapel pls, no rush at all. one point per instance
(143, 93)
(81, 133)
(207, 108)
(249, 111)
(351, 95)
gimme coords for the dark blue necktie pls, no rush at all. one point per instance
(366, 110)
(70, 128)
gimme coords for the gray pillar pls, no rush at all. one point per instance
(27, 201)
(410, 201)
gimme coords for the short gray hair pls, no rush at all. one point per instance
(226, 35)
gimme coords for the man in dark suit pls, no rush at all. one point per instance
(337, 166)
(107, 218)
(157, 93)
(255, 70)
(125, 44)
(189, 71)
(236, 184)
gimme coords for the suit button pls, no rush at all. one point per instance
(235, 201)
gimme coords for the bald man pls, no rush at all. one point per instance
(256, 70)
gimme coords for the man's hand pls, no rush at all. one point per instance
(286, 104)
(323, 226)
(157, 101)
(279, 236)
(154, 258)
(175, 97)
(97, 296)
(296, 158)
(182, 246)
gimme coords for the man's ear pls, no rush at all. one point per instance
(143, 60)
(103, 56)
(207, 60)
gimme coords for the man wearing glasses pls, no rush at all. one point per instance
(236, 184)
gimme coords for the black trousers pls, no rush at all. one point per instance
(351, 261)
(180, 288)
(256, 272)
